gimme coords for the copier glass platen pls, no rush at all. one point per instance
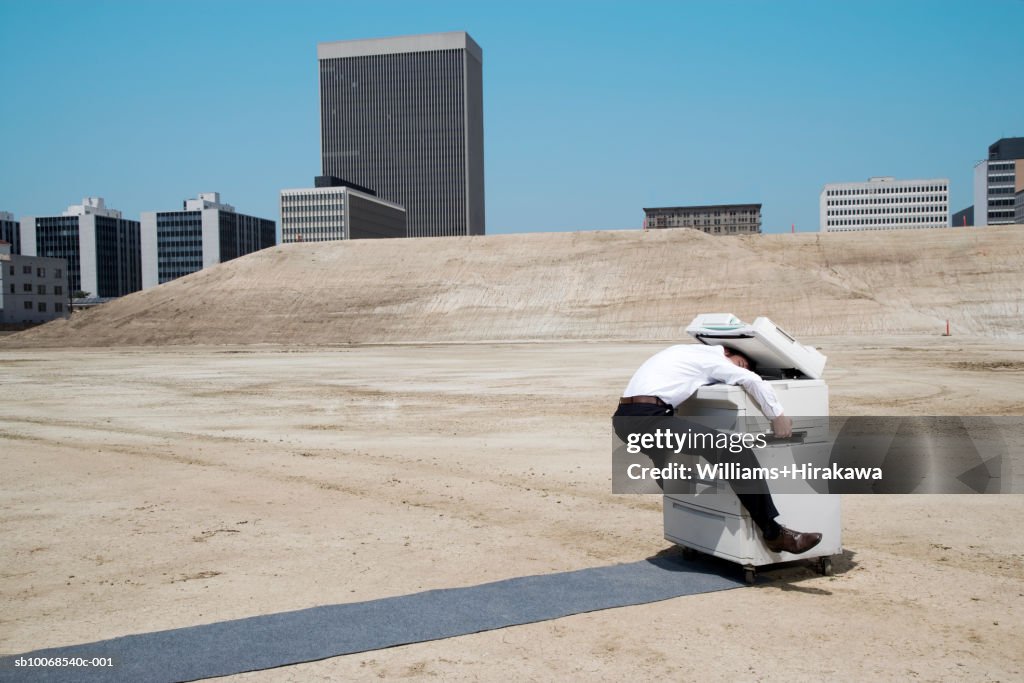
(710, 519)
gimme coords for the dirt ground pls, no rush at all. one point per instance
(153, 488)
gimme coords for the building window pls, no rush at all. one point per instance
(59, 273)
(26, 270)
(40, 272)
(58, 307)
(42, 307)
(26, 287)
(58, 290)
(28, 305)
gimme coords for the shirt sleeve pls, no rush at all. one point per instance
(762, 392)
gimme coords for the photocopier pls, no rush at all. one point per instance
(709, 518)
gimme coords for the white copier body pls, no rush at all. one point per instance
(711, 519)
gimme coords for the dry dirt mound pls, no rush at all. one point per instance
(584, 285)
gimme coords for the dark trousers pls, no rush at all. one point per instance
(758, 502)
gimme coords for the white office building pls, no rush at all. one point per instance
(337, 211)
(202, 234)
(101, 247)
(33, 289)
(996, 182)
(884, 203)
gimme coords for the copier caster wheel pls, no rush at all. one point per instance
(825, 566)
(750, 575)
(689, 553)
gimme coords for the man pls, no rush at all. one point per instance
(670, 377)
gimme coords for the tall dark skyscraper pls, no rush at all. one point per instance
(404, 117)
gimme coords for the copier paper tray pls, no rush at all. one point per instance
(774, 351)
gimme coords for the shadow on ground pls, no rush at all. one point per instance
(787, 576)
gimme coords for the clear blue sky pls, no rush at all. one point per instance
(592, 110)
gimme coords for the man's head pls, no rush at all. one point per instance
(740, 360)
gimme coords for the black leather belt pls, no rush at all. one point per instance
(653, 400)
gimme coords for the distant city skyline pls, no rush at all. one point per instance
(592, 110)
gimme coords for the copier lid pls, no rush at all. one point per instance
(763, 341)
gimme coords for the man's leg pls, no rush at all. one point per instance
(755, 497)
(762, 511)
(647, 418)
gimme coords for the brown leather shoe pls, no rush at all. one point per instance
(795, 542)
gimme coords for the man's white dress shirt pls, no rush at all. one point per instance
(675, 374)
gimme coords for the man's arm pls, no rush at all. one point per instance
(762, 392)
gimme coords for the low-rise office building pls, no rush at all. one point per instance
(202, 234)
(963, 218)
(10, 231)
(338, 210)
(713, 219)
(100, 246)
(996, 180)
(33, 289)
(884, 203)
